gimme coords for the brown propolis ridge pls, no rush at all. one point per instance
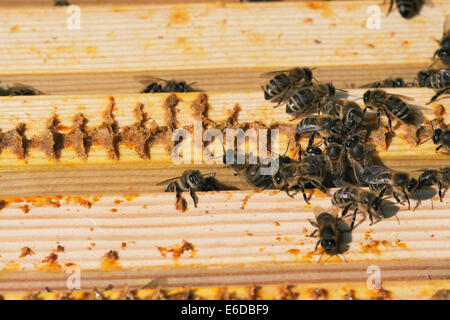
(49, 141)
(77, 138)
(15, 141)
(106, 134)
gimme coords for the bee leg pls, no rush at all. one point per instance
(193, 196)
(389, 120)
(346, 210)
(302, 189)
(353, 220)
(371, 218)
(440, 190)
(407, 199)
(439, 93)
(317, 245)
(395, 194)
(173, 186)
(312, 235)
(438, 148)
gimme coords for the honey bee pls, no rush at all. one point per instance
(62, 3)
(388, 83)
(250, 172)
(308, 96)
(192, 181)
(295, 175)
(444, 51)
(350, 112)
(390, 104)
(440, 137)
(380, 178)
(19, 89)
(323, 124)
(407, 8)
(352, 197)
(329, 233)
(440, 177)
(433, 78)
(153, 85)
(282, 80)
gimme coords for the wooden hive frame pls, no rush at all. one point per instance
(71, 212)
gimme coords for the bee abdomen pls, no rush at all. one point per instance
(398, 108)
(300, 101)
(275, 86)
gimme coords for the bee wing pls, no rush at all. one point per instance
(147, 79)
(25, 86)
(285, 94)
(371, 175)
(272, 73)
(402, 97)
(168, 180)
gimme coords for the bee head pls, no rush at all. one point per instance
(352, 141)
(437, 135)
(195, 179)
(366, 97)
(354, 118)
(277, 180)
(337, 126)
(328, 245)
(443, 54)
(313, 150)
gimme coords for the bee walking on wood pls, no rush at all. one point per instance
(388, 83)
(153, 85)
(192, 181)
(390, 104)
(334, 154)
(433, 78)
(357, 199)
(440, 177)
(281, 81)
(358, 156)
(329, 233)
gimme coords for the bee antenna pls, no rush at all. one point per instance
(360, 98)
(210, 174)
(425, 140)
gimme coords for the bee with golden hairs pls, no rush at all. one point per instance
(281, 81)
(192, 181)
(158, 85)
(351, 197)
(390, 104)
(19, 89)
(348, 111)
(330, 236)
(325, 125)
(440, 177)
(388, 83)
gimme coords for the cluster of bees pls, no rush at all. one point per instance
(343, 158)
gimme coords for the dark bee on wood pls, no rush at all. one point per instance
(440, 137)
(407, 8)
(293, 176)
(157, 85)
(354, 198)
(251, 172)
(282, 80)
(433, 78)
(443, 53)
(19, 89)
(380, 179)
(440, 177)
(358, 157)
(329, 233)
(192, 181)
(388, 83)
(390, 104)
(334, 154)
(307, 97)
